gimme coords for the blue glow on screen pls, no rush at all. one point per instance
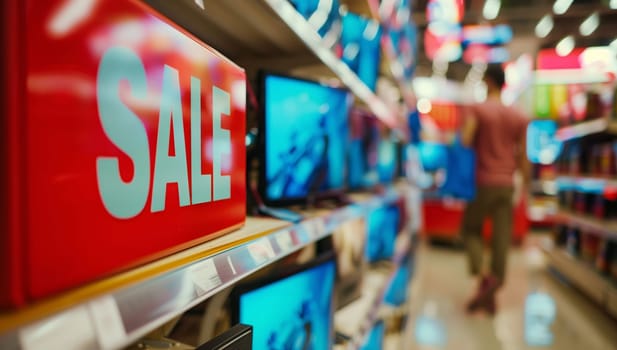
(292, 313)
(433, 156)
(362, 158)
(375, 337)
(382, 227)
(387, 160)
(306, 137)
(542, 146)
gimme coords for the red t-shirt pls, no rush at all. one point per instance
(498, 136)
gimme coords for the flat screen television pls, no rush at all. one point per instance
(387, 159)
(382, 229)
(304, 135)
(362, 157)
(292, 311)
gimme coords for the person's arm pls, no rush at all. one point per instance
(469, 127)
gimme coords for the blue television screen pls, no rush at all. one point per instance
(387, 160)
(362, 159)
(322, 18)
(382, 229)
(396, 294)
(294, 312)
(305, 137)
(361, 44)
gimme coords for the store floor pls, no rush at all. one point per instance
(558, 317)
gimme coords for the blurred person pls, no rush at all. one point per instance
(497, 134)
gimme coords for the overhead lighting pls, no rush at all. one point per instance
(544, 27)
(561, 6)
(491, 9)
(590, 24)
(565, 46)
(424, 105)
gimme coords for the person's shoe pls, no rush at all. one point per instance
(485, 297)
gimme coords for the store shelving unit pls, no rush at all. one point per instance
(118, 311)
(584, 277)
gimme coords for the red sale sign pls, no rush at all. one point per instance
(124, 142)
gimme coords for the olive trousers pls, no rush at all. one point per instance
(494, 202)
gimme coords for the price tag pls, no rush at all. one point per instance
(284, 241)
(107, 322)
(261, 251)
(205, 276)
(68, 330)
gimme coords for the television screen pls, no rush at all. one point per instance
(292, 312)
(433, 156)
(362, 159)
(382, 229)
(375, 338)
(304, 138)
(387, 160)
(360, 40)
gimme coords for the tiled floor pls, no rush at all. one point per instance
(558, 317)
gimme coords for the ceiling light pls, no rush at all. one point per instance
(561, 6)
(491, 9)
(544, 27)
(565, 46)
(590, 24)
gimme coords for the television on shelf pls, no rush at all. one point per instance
(360, 41)
(304, 136)
(382, 230)
(322, 18)
(291, 311)
(362, 157)
(387, 158)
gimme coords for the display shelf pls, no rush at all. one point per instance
(582, 129)
(584, 183)
(588, 223)
(117, 311)
(584, 277)
(274, 36)
(544, 187)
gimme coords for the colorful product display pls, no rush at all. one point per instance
(130, 140)
(383, 225)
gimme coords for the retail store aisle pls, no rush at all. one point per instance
(535, 310)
